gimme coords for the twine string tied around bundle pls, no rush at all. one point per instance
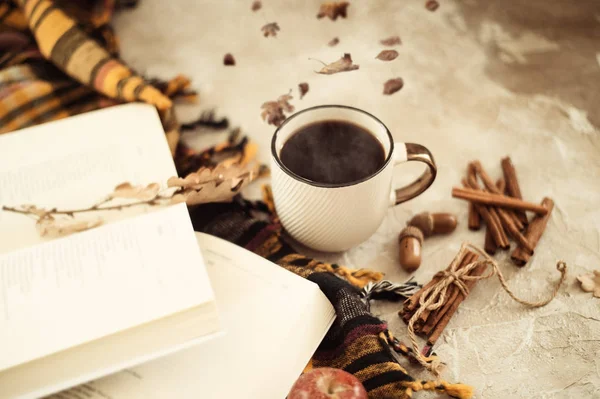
(434, 297)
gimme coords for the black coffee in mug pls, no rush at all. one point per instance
(333, 152)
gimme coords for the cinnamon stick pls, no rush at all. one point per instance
(502, 201)
(452, 294)
(412, 303)
(425, 318)
(521, 255)
(493, 188)
(494, 215)
(512, 186)
(474, 218)
(443, 322)
(509, 225)
(490, 217)
(501, 185)
(508, 220)
(489, 245)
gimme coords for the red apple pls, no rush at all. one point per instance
(327, 383)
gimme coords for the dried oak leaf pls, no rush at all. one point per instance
(270, 29)
(273, 111)
(391, 41)
(387, 55)
(228, 60)
(219, 190)
(303, 87)
(126, 190)
(333, 10)
(50, 227)
(590, 282)
(432, 5)
(392, 86)
(333, 42)
(219, 174)
(344, 64)
(256, 5)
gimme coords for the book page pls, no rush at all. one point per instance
(77, 289)
(274, 321)
(76, 162)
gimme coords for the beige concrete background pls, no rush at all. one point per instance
(483, 79)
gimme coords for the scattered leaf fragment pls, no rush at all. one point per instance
(126, 190)
(270, 29)
(344, 64)
(333, 42)
(228, 60)
(333, 10)
(392, 86)
(391, 41)
(303, 87)
(273, 111)
(50, 227)
(590, 282)
(432, 5)
(206, 120)
(387, 55)
(34, 210)
(256, 5)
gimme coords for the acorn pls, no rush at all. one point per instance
(411, 239)
(434, 223)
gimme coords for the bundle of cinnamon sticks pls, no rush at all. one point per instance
(502, 208)
(431, 324)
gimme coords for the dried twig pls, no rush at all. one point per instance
(205, 185)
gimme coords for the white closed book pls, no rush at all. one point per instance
(273, 322)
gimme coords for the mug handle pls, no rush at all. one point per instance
(404, 152)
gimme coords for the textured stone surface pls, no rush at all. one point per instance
(483, 79)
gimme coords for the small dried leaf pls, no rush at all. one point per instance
(256, 5)
(590, 282)
(126, 190)
(344, 64)
(387, 55)
(270, 29)
(51, 227)
(228, 60)
(303, 87)
(273, 111)
(432, 5)
(392, 86)
(333, 10)
(391, 41)
(333, 42)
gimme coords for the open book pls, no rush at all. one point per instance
(85, 306)
(89, 304)
(273, 321)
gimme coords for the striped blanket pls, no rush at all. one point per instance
(61, 58)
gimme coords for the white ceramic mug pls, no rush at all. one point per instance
(336, 217)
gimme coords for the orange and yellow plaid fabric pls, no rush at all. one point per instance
(60, 58)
